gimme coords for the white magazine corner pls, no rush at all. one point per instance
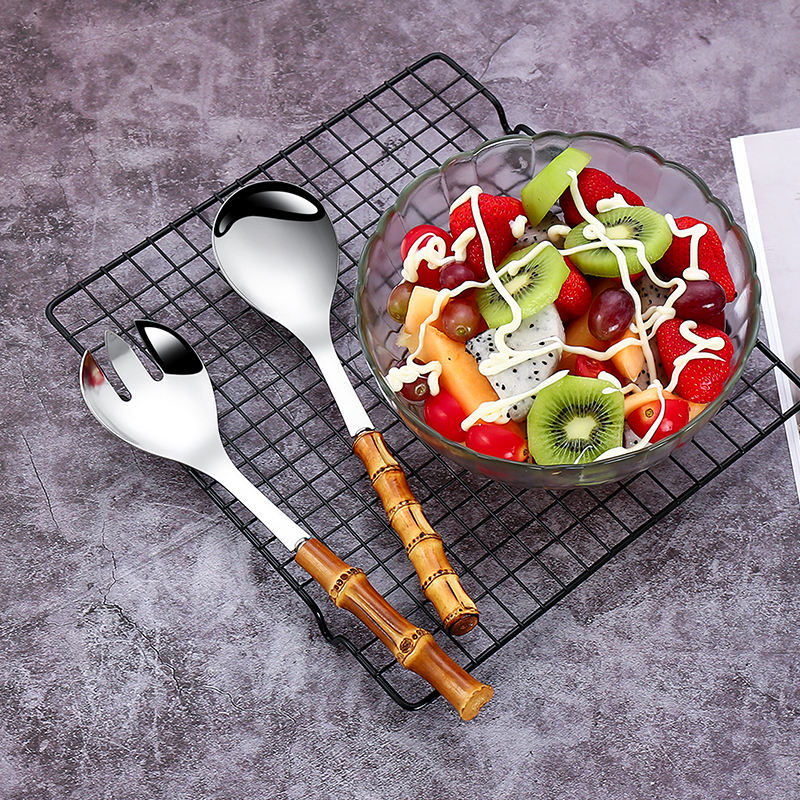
(768, 171)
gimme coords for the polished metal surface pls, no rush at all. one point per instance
(276, 247)
(174, 417)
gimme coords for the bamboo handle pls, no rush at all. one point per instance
(349, 588)
(423, 545)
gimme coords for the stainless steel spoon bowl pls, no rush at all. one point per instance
(277, 248)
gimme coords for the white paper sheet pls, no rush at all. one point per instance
(768, 170)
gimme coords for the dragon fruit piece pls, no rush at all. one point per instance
(651, 294)
(535, 331)
(537, 233)
(629, 438)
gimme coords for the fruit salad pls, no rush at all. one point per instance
(569, 325)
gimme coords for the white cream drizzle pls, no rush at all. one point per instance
(494, 410)
(428, 247)
(518, 226)
(610, 203)
(693, 271)
(461, 242)
(557, 233)
(699, 350)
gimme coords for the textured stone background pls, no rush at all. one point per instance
(146, 652)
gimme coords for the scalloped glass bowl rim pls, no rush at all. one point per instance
(667, 444)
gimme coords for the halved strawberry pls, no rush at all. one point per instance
(575, 296)
(497, 213)
(594, 185)
(702, 379)
(710, 256)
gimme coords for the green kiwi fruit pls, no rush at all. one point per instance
(542, 191)
(534, 286)
(571, 421)
(628, 222)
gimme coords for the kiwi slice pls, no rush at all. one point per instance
(571, 421)
(534, 286)
(629, 222)
(543, 190)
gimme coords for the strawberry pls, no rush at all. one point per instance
(710, 256)
(594, 185)
(497, 213)
(702, 379)
(575, 296)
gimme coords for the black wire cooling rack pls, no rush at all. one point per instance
(518, 551)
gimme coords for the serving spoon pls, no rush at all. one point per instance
(276, 247)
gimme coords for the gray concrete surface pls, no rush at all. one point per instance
(146, 650)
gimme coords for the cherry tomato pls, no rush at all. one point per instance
(444, 414)
(397, 305)
(426, 275)
(496, 440)
(416, 391)
(591, 367)
(676, 415)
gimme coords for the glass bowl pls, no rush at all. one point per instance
(504, 166)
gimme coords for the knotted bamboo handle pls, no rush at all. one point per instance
(413, 647)
(423, 545)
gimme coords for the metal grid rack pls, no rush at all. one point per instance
(519, 551)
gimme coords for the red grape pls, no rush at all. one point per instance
(702, 301)
(610, 314)
(416, 391)
(461, 318)
(497, 440)
(443, 413)
(397, 306)
(453, 275)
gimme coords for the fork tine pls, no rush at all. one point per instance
(99, 395)
(125, 362)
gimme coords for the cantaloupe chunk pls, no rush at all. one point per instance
(460, 375)
(420, 306)
(629, 361)
(695, 409)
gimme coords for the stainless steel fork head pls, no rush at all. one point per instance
(174, 417)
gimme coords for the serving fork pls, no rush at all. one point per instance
(176, 418)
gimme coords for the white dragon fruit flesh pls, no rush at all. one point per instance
(534, 332)
(651, 294)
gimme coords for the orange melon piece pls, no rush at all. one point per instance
(638, 399)
(420, 306)
(629, 361)
(695, 409)
(460, 375)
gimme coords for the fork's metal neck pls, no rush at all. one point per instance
(282, 527)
